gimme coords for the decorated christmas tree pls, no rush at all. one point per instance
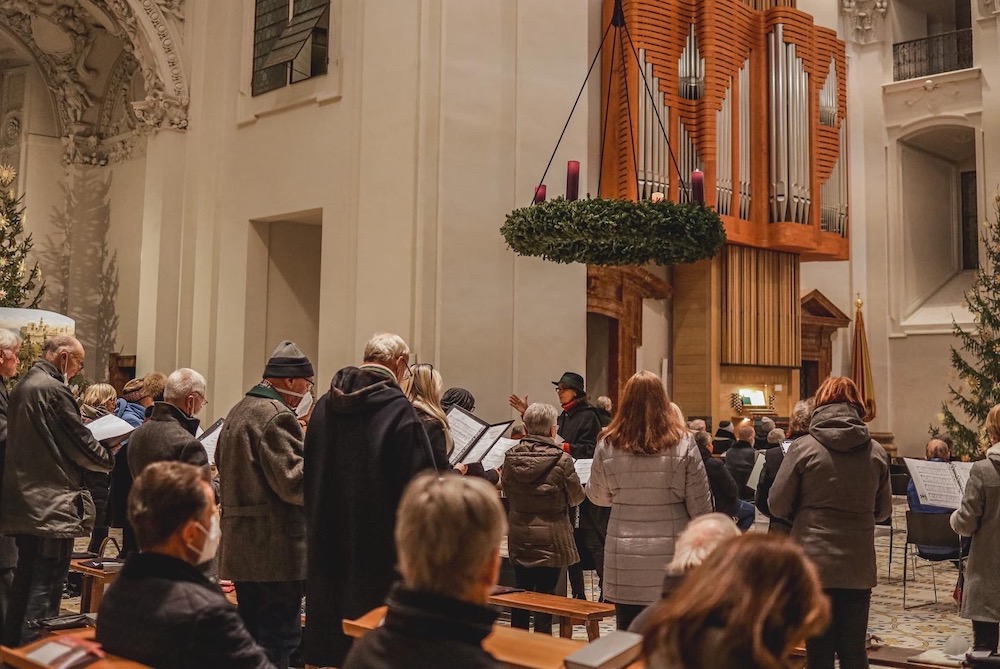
(19, 286)
(977, 359)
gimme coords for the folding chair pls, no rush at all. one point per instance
(929, 530)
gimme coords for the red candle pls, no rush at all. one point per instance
(573, 180)
(539, 194)
(698, 187)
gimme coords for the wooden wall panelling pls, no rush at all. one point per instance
(696, 326)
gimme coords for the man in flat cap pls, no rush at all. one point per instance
(259, 456)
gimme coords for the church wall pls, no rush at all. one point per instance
(920, 378)
(448, 113)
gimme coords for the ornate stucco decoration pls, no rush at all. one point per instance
(862, 17)
(991, 6)
(155, 44)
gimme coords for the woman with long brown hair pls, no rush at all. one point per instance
(747, 605)
(647, 468)
(833, 486)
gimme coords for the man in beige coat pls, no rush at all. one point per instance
(259, 457)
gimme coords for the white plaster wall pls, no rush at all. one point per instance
(921, 374)
(293, 288)
(929, 220)
(126, 195)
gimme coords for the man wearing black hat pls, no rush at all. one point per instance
(579, 426)
(260, 462)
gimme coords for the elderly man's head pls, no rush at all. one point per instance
(10, 347)
(390, 351)
(290, 373)
(702, 536)
(745, 432)
(172, 509)
(697, 425)
(65, 353)
(938, 449)
(448, 534)
(604, 402)
(185, 389)
(540, 420)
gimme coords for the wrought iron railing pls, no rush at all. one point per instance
(932, 55)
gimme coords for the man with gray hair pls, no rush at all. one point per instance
(44, 504)
(448, 534)
(169, 434)
(364, 444)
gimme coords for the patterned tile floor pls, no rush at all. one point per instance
(922, 627)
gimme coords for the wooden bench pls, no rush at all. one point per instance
(18, 657)
(93, 584)
(567, 611)
(513, 647)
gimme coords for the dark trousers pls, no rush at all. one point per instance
(535, 579)
(626, 613)
(272, 613)
(745, 515)
(42, 566)
(985, 636)
(845, 636)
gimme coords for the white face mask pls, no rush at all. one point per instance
(303, 408)
(212, 537)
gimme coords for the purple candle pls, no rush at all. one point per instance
(572, 180)
(698, 187)
(539, 194)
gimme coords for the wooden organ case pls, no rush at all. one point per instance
(754, 94)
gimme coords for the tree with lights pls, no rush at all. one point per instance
(19, 286)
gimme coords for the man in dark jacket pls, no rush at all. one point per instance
(169, 434)
(740, 459)
(45, 506)
(364, 444)
(448, 535)
(260, 460)
(162, 610)
(10, 347)
(725, 437)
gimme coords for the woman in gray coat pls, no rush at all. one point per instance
(833, 485)
(979, 518)
(649, 471)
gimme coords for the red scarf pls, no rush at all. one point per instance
(570, 405)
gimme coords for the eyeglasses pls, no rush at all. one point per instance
(204, 402)
(560, 389)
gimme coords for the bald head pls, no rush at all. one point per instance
(65, 353)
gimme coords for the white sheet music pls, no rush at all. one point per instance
(583, 467)
(465, 428)
(210, 439)
(937, 483)
(962, 471)
(496, 455)
(109, 427)
(758, 467)
(485, 442)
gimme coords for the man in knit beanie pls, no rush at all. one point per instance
(259, 456)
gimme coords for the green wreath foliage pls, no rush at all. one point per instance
(602, 231)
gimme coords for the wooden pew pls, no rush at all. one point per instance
(93, 584)
(18, 657)
(515, 648)
(567, 611)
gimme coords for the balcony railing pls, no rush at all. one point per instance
(932, 55)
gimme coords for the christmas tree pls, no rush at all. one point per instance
(977, 361)
(19, 286)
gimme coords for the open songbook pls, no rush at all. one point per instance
(939, 483)
(583, 467)
(109, 428)
(66, 652)
(473, 436)
(210, 438)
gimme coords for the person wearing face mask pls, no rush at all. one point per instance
(169, 434)
(365, 442)
(44, 504)
(162, 610)
(259, 457)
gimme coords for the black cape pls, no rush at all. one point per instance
(363, 445)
